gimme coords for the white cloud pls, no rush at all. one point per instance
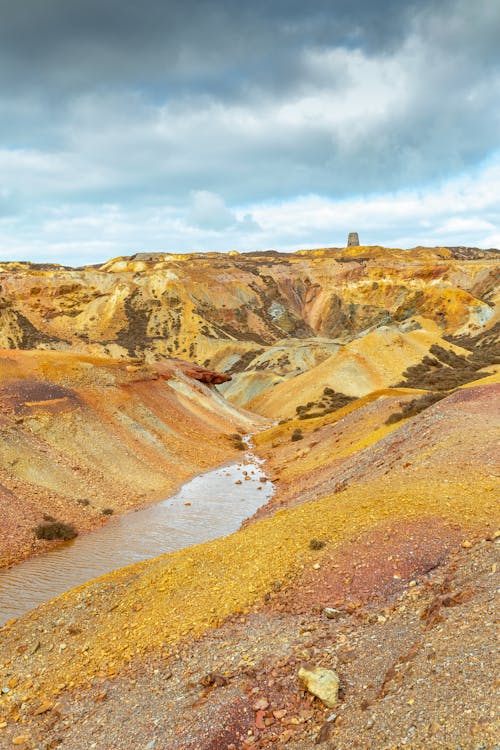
(208, 211)
(462, 211)
(270, 158)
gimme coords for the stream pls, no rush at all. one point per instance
(211, 505)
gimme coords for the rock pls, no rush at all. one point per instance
(321, 682)
(214, 679)
(332, 613)
(324, 733)
(280, 713)
(259, 719)
(43, 708)
(261, 704)
(168, 367)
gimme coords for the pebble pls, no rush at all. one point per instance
(261, 704)
(332, 613)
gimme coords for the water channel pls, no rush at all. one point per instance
(209, 506)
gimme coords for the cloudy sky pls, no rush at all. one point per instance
(184, 125)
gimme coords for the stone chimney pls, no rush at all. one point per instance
(353, 239)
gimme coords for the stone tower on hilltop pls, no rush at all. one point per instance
(353, 239)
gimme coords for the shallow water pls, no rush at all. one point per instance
(218, 507)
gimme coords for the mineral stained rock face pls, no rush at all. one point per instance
(321, 682)
(353, 239)
(169, 367)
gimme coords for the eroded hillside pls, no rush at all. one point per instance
(269, 316)
(380, 564)
(376, 558)
(83, 437)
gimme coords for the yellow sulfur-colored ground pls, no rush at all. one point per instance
(152, 606)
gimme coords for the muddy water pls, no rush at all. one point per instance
(210, 505)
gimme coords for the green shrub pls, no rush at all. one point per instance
(296, 435)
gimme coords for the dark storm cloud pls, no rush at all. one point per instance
(66, 47)
(206, 106)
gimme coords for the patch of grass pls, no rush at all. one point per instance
(55, 530)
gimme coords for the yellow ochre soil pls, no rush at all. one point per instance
(264, 588)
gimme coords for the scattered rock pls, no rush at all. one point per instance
(324, 733)
(332, 613)
(43, 708)
(321, 682)
(261, 704)
(214, 679)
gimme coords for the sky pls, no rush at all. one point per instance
(190, 125)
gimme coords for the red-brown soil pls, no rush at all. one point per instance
(80, 435)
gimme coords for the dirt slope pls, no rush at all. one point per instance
(80, 435)
(196, 306)
(404, 552)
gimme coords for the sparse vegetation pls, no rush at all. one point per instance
(107, 511)
(446, 370)
(330, 401)
(55, 530)
(237, 441)
(316, 544)
(411, 408)
(83, 501)
(296, 435)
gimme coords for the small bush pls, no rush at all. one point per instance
(393, 418)
(237, 441)
(46, 517)
(55, 530)
(316, 544)
(296, 435)
(83, 501)
(108, 512)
